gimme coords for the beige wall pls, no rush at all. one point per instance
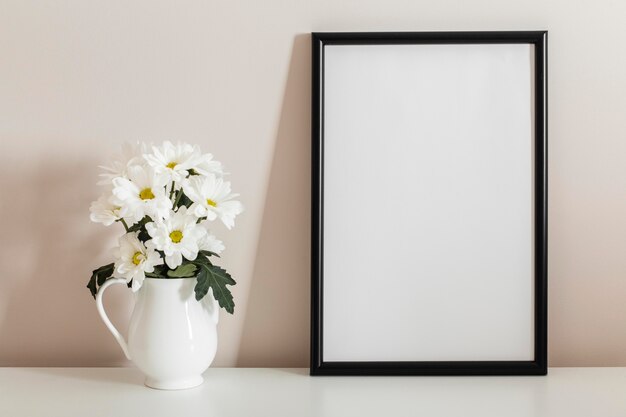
(77, 78)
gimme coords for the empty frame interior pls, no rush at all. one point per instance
(428, 205)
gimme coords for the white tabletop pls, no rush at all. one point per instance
(119, 392)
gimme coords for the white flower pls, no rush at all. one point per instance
(141, 194)
(130, 154)
(212, 199)
(210, 242)
(134, 259)
(206, 165)
(105, 212)
(177, 236)
(174, 161)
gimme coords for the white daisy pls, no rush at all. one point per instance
(177, 236)
(105, 212)
(174, 161)
(212, 199)
(134, 259)
(141, 194)
(206, 165)
(130, 154)
(210, 242)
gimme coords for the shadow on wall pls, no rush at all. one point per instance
(276, 327)
(49, 246)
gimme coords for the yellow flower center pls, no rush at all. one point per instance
(137, 258)
(211, 202)
(171, 165)
(146, 194)
(176, 236)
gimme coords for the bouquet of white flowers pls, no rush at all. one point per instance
(166, 198)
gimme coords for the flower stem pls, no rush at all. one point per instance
(172, 190)
(124, 223)
(178, 196)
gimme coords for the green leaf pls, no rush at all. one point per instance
(183, 271)
(203, 258)
(160, 271)
(92, 286)
(183, 200)
(140, 227)
(98, 277)
(209, 253)
(143, 235)
(140, 224)
(216, 278)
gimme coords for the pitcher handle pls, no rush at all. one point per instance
(103, 315)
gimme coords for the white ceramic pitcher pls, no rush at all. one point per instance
(172, 337)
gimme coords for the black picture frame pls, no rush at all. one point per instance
(538, 366)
